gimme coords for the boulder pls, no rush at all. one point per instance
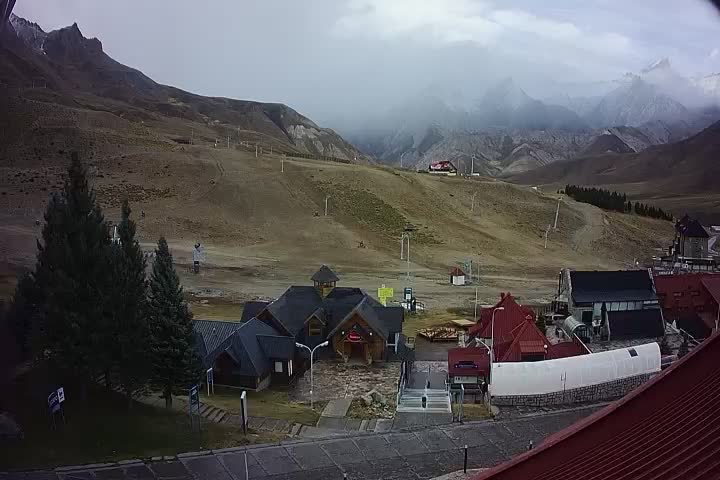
(377, 397)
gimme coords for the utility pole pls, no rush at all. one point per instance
(256, 150)
(228, 141)
(472, 165)
(326, 204)
(270, 149)
(472, 207)
(192, 136)
(401, 158)
(282, 164)
(557, 212)
(547, 231)
(476, 295)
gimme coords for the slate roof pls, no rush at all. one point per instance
(294, 307)
(690, 227)
(213, 332)
(367, 313)
(251, 344)
(324, 275)
(391, 317)
(636, 323)
(456, 272)
(666, 429)
(252, 309)
(614, 286)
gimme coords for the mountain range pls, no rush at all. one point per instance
(64, 70)
(507, 131)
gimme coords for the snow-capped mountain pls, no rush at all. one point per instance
(634, 104)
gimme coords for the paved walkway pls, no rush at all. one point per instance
(423, 453)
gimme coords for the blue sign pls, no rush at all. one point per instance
(194, 395)
(54, 402)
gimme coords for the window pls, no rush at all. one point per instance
(278, 367)
(632, 352)
(314, 327)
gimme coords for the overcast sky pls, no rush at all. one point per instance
(334, 59)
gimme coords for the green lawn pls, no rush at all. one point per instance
(473, 411)
(270, 403)
(103, 429)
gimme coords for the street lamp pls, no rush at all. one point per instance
(312, 352)
(492, 338)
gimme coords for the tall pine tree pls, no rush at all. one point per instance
(129, 332)
(72, 277)
(22, 311)
(174, 359)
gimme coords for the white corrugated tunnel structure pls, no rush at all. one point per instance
(548, 376)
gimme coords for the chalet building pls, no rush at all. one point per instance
(691, 249)
(260, 349)
(251, 355)
(690, 301)
(516, 338)
(612, 304)
(691, 239)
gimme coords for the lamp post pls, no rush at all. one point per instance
(312, 352)
(492, 339)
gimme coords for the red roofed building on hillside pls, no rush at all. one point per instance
(506, 320)
(666, 429)
(690, 301)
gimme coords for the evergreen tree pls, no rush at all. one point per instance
(73, 277)
(174, 358)
(129, 334)
(22, 311)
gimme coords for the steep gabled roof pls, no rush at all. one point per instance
(456, 272)
(213, 333)
(391, 317)
(613, 286)
(252, 309)
(367, 313)
(506, 320)
(324, 275)
(690, 227)
(666, 429)
(245, 346)
(276, 346)
(526, 339)
(294, 307)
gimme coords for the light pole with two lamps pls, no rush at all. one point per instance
(492, 339)
(312, 352)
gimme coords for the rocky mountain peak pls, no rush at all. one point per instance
(29, 32)
(68, 45)
(661, 64)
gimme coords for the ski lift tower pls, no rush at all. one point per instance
(198, 256)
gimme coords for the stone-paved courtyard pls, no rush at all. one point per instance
(336, 379)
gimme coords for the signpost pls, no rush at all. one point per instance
(385, 293)
(194, 401)
(243, 411)
(210, 380)
(55, 401)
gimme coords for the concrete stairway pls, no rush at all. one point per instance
(438, 401)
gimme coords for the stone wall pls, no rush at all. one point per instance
(602, 391)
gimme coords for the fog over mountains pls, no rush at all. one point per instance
(507, 131)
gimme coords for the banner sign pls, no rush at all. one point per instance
(384, 294)
(210, 380)
(54, 402)
(354, 337)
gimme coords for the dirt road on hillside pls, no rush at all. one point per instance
(593, 228)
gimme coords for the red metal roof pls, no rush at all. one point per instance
(526, 334)
(506, 320)
(456, 272)
(712, 285)
(566, 349)
(681, 294)
(666, 429)
(477, 355)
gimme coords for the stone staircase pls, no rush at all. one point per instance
(411, 400)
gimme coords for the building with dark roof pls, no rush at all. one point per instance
(249, 355)
(261, 348)
(691, 249)
(666, 429)
(613, 303)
